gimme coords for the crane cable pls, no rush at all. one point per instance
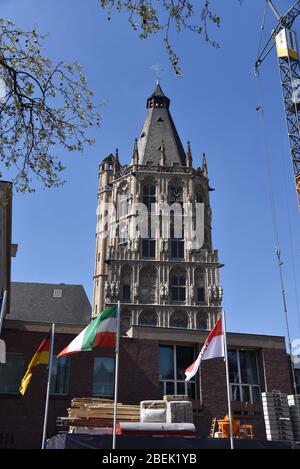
(266, 152)
(292, 244)
(259, 109)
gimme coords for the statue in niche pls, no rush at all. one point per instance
(113, 289)
(117, 289)
(136, 290)
(164, 245)
(107, 289)
(192, 292)
(135, 244)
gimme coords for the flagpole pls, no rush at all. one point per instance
(227, 382)
(48, 387)
(3, 308)
(116, 376)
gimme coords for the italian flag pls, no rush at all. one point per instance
(213, 348)
(101, 332)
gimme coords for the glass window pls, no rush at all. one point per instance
(256, 394)
(184, 358)
(103, 381)
(173, 361)
(60, 375)
(243, 376)
(177, 249)
(235, 390)
(123, 204)
(233, 366)
(166, 362)
(246, 394)
(148, 248)
(149, 196)
(178, 288)
(11, 373)
(200, 294)
(248, 367)
(126, 292)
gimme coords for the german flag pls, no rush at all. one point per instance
(41, 357)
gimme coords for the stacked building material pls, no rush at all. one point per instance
(153, 411)
(168, 410)
(175, 397)
(97, 413)
(179, 412)
(294, 405)
(277, 416)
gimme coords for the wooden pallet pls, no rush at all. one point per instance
(95, 412)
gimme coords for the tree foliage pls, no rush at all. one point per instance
(152, 16)
(41, 105)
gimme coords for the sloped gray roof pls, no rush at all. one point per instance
(35, 302)
(159, 126)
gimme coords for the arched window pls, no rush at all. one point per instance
(148, 284)
(200, 289)
(179, 319)
(123, 202)
(176, 221)
(126, 282)
(202, 321)
(149, 194)
(148, 318)
(178, 287)
(125, 321)
(149, 198)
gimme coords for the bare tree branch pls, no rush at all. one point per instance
(41, 105)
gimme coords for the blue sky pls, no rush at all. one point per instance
(214, 107)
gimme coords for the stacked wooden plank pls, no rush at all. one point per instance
(294, 405)
(277, 416)
(97, 413)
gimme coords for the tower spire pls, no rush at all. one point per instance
(135, 156)
(204, 165)
(189, 158)
(159, 126)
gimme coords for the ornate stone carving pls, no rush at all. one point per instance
(112, 290)
(164, 291)
(192, 292)
(164, 245)
(135, 244)
(215, 292)
(107, 289)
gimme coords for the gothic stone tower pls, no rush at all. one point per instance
(160, 281)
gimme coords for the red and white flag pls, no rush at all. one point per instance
(213, 348)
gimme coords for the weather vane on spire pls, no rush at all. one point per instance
(158, 69)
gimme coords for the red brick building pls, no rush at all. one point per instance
(152, 361)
